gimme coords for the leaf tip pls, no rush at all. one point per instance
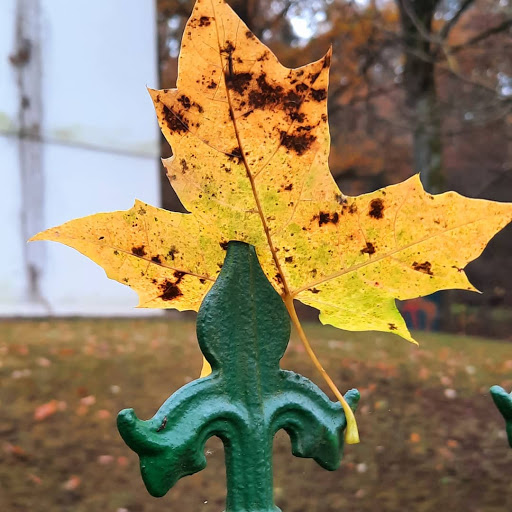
(406, 335)
(328, 55)
(154, 93)
(42, 235)
(416, 178)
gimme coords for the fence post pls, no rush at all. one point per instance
(243, 330)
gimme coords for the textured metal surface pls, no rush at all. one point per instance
(503, 402)
(243, 330)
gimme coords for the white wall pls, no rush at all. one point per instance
(100, 145)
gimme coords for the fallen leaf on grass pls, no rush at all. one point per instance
(14, 449)
(20, 374)
(43, 362)
(48, 409)
(105, 459)
(82, 410)
(21, 350)
(72, 483)
(66, 352)
(35, 479)
(414, 437)
(88, 400)
(103, 414)
(122, 461)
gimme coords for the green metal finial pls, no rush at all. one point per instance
(243, 330)
(503, 402)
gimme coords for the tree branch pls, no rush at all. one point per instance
(483, 35)
(445, 31)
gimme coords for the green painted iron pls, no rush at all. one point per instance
(503, 402)
(243, 330)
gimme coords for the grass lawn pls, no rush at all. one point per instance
(431, 437)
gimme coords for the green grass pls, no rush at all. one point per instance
(422, 448)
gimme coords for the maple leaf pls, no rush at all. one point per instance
(250, 139)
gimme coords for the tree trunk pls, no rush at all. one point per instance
(419, 81)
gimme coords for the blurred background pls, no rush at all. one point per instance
(416, 85)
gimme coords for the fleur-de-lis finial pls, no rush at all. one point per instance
(243, 330)
(503, 402)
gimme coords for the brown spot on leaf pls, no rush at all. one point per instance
(228, 48)
(340, 199)
(184, 165)
(291, 102)
(235, 155)
(224, 245)
(313, 77)
(369, 249)
(298, 142)
(172, 252)
(315, 290)
(289, 259)
(204, 21)
(174, 122)
(425, 267)
(297, 116)
(212, 85)
(376, 209)
(289, 187)
(279, 278)
(156, 259)
(170, 290)
(267, 95)
(326, 218)
(185, 101)
(249, 34)
(392, 327)
(319, 94)
(239, 82)
(139, 251)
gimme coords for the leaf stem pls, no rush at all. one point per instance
(351, 434)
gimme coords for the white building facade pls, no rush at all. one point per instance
(78, 135)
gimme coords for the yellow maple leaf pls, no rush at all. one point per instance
(251, 142)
